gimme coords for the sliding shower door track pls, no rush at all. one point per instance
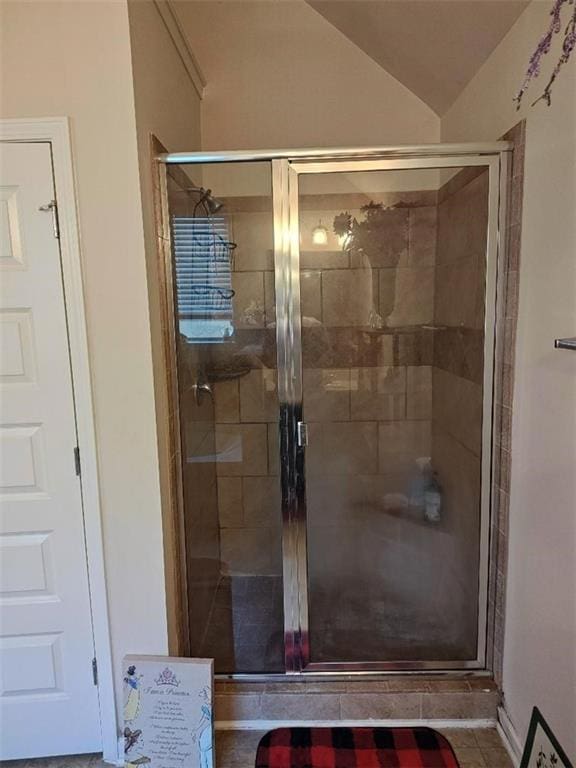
(344, 675)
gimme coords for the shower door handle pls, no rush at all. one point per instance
(302, 434)
(565, 343)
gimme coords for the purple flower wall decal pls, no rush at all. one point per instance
(543, 48)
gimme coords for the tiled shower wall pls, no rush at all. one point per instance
(367, 373)
(457, 375)
(503, 392)
(351, 367)
(197, 435)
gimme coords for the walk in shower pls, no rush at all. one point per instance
(333, 334)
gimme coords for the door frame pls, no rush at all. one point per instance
(285, 164)
(56, 132)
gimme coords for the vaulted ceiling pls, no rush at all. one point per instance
(433, 47)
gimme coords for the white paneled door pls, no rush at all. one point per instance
(48, 696)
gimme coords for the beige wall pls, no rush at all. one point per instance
(279, 75)
(540, 635)
(168, 106)
(73, 59)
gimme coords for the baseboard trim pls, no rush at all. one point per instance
(509, 736)
(267, 725)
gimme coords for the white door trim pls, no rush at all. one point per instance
(56, 130)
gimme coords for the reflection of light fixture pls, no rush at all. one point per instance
(320, 234)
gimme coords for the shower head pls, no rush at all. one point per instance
(211, 204)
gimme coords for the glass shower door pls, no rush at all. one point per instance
(392, 522)
(221, 229)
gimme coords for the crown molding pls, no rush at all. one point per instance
(172, 24)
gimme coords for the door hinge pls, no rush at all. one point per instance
(52, 206)
(95, 671)
(77, 461)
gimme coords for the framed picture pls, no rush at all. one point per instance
(168, 721)
(542, 749)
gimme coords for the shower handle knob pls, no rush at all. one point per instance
(199, 389)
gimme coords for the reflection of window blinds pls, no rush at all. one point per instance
(203, 276)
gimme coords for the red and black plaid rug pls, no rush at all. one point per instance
(355, 748)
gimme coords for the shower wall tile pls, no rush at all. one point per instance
(251, 551)
(260, 343)
(458, 473)
(407, 296)
(242, 449)
(328, 205)
(460, 706)
(349, 297)
(422, 228)
(400, 443)
(248, 301)
(392, 698)
(503, 426)
(514, 240)
(259, 396)
(313, 706)
(273, 463)
(463, 221)
(368, 706)
(460, 293)
(344, 500)
(346, 347)
(230, 507)
(240, 706)
(460, 351)
(254, 238)
(324, 259)
(343, 448)
(457, 407)
(269, 299)
(458, 181)
(202, 529)
(326, 394)
(512, 291)
(419, 392)
(311, 296)
(393, 248)
(459, 476)
(262, 501)
(378, 393)
(198, 440)
(461, 231)
(226, 401)
(507, 384)
(384, 350)
(413, 347)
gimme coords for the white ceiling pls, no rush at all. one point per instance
(433, 47)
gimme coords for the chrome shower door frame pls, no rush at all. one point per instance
(285, 176)
(287, 165)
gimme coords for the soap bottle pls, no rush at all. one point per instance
(420, 481)
(433, 499)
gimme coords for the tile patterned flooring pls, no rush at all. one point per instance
(237, 749)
